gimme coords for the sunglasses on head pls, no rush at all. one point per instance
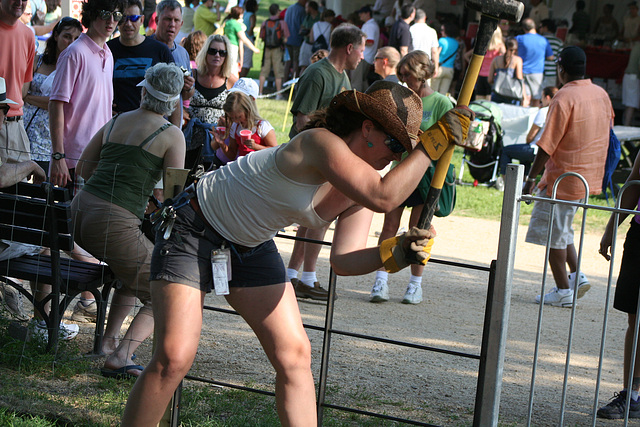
(132, 18)
(64, 21)
(106, 14)
(394, 145)
(212, 51)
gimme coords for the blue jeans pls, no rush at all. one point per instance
(521, 152)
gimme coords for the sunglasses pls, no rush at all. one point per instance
(212, 51)
(132, 18)
(106, 14)
(64, 21)
(394, 145)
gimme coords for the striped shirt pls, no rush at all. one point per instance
(556, 46)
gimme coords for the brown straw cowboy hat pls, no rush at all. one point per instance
(397, 109)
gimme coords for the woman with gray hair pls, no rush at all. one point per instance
(121, 165)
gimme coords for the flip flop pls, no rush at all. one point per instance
(120, 373)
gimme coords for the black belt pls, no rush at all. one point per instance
(193, 201)
(14, 118)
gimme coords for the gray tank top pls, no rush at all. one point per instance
(249, 200)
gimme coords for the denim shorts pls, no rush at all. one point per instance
(185, 257)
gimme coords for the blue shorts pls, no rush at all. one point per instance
(186, 257)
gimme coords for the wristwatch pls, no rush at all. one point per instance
(57, 156)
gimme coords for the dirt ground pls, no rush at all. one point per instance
(435, 387)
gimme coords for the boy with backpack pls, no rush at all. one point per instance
(274, 32)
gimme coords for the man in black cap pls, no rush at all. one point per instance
(575, 139)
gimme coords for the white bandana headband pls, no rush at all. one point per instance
(160, 96)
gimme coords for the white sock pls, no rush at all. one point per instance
(382, 275)
(292, 274)
(634, 394)
(87, 301)
(416, 279)
(309, 278)
(564, 291)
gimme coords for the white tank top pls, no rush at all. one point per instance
(248, 201)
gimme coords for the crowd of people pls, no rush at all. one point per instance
(105, 116)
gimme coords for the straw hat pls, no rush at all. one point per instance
(397, 109)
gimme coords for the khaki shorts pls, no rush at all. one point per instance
(561, 230)
(112, 234)
(273, 61)
(14, 142)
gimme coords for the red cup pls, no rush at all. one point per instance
(245, 134)
(221, 130)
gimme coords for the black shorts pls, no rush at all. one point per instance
(483, 87)
(414, 199)
(626, 297)
(186, 257)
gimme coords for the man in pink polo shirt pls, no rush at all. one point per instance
(80, 104)
(16, 67)
(575, 139)
(82, 93)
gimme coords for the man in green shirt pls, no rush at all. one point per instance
(205, 17)
(319, 83)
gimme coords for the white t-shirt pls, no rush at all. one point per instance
(539, 120)
(263, 128)
(424, 38)
(371, 29)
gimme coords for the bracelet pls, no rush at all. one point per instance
(531, 179)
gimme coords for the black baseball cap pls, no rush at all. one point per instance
(573, 60)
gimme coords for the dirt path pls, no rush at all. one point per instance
(430, 386)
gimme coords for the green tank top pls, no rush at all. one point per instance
(126, 174)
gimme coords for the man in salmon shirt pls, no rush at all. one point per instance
(575, 139)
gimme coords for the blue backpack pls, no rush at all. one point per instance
(613, 158)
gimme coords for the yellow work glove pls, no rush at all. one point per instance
(452, 128)
(393, 251)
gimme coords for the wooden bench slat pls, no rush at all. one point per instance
(34, 237)
(60, 194)
(29, 219)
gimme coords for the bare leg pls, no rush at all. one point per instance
(416, 269)
(627, 116)
(278, 84)
(312, 250)
(558, 264)
(628, 346)
(178, 320)
(297, 254)
(572, 258)
(273, 314)
(261, 87)
(140, 329)
(121, 306)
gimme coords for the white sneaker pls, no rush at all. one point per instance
(12, 301)
(557, 299)
(67, 331)
(583, 283)
(413, 295)
(380, 291)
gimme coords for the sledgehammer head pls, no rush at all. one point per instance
(511, 10)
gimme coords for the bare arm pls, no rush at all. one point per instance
(404, 50)
(39, 101)
(518, 71)
(188, 89)
(13, 173)
(435, 58)
(176, 115)
(536, 168)
(301, 121)
(90, 156)
(629, 201)
(532, 133)
(492, 70)
(349, 252)
(243, 37)
(59, 172)
(269, 140)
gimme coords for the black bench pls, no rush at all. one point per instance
(41, 215)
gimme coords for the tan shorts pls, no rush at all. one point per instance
(561, 230)
(14, 142)
(112, 234)
(273, 61)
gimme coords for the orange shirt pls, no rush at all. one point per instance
(16, 61)
(576, 137)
